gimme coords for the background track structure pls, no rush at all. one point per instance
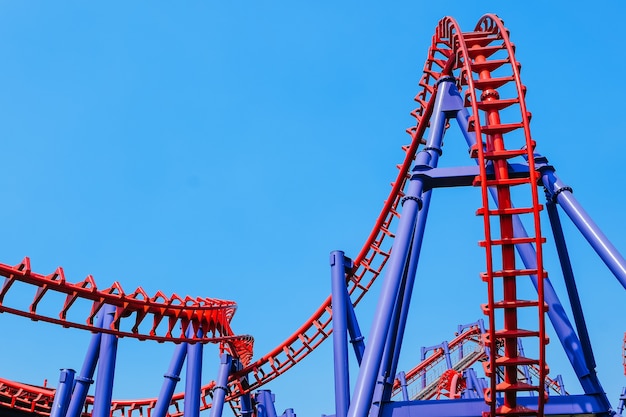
(485, 52)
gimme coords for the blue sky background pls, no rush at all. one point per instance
(223, 149)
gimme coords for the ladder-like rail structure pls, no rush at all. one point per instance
(485, 70)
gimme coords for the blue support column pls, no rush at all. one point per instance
(193, 379)
(106, 368)
(403, 385)
(221, 385)
(356, 337)
(63, 393)
(340, 301)
(412, 203)
(246, 405)
(171, 379)
(245, 401)
(622, 402)
(265, 404)
(598, 241)
(570, 284)
(84, 379)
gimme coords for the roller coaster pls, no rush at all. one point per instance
(471, 81)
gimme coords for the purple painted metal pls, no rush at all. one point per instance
(221, 385)
(622, 402)
(265, 404)
(245, 401)
(598, 241)
(193, 379)
(473, 389)
(570, 283)
(412, 203)
(560, 405)
(356, 337)
(106, 367)
(63, 393)
(338, 264)
(402, 378)
(171, 378)
(84, 379)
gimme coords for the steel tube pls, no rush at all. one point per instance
(106, 368)
(221, 385)
(372, 359)
(84, 379)
(193, 379)
(63, 393)
(340, 301)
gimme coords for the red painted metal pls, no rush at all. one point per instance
(450, 384)
(477, 59)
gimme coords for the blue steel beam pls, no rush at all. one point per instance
(84, 379)
(106, 367)
(171, 378)
(221, 385)
(558, 406)
(340, 301)
(589, 229)
(193, 378)
(63, 393)
(412, 203)
(570, 283)
(265, 404)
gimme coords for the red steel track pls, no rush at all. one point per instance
(483, 62)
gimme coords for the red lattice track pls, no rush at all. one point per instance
(449, 54)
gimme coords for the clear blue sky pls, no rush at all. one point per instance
(223, 149)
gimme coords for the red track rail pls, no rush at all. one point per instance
(451, 52)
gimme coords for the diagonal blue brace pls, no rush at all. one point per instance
(193, 377)
(106, 367)
(397, 283)
(84, 379)
(221, 385)
(562, 194)
(171, 378)
(339, 264)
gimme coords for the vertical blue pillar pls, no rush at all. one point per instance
(193, 379)
(356, 337)
(221, 385)
(62, 394)
(340, 301)
(84, 379)
(265, 404)
(396, 265)
(403, 385)
(171, 379)
(106, 367)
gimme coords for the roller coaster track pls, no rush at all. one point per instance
(466, 349)
(484, 51)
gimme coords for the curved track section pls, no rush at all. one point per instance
(486, 50)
